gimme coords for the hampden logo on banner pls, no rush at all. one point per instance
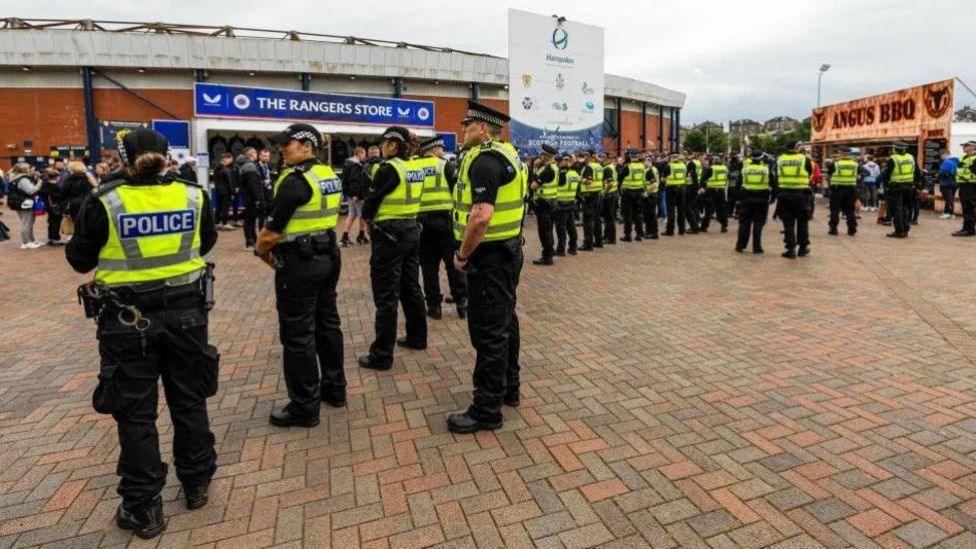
(923, 111)
(555, 72)
(241, 102)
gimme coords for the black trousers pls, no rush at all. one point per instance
(914, 205)
(715, 205)
(437, 246)
(54, 218)
(967, 201)
(395, 277)
(309, 329)
(899, 198)
(753, 211)
(843, 199)
(677, 208)
(793, 208)
(692, 202)
(235, 203)
(223, 205)
(175, 348)
(948, 198)
(649, 212)
(565, 227)
(253, 212)
(608, 212)
(493, 277)
(592, 228)
(630, 201)
(544, 212)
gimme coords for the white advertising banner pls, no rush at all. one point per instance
(555, 70)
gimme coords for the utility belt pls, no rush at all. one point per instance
(129, 303)
(307, 246)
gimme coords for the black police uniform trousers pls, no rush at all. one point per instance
(967, 201)
(608, 212)
(715, 204)
(544, 213)
(753, 211)
(592, 228)
(692, 201)
(899, 197)
(843, 199)
(395, 277)
(676, 208)
(437, 245)
(493, 277)
(309, 326)
(650, 202)
(630, 201)
(793, 208)
(223, 204)
(253, 195)
(565, 226)
(174, 347)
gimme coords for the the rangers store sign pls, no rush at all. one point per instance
(920, 112)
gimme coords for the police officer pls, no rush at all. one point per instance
(299, 241)
(392, 207)
(692, 198)
(756, 193)
(675, 175)
(591, 188)
(546, 188)
(436, 235)
(966, 179)
(793, 171)
(843, 175)
(901, 173)
(652, 178)
(145, 236)
(608, 207)
(566, 193)
(715, 179)
(488, 211)
(633, 182)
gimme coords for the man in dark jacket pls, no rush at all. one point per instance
(224, 183)
(354, 187)
(188, 171)
(250, 184)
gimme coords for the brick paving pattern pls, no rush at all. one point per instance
(675, 394)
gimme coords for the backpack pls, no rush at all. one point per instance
(15, 196)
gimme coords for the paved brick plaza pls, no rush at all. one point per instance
(675, 394)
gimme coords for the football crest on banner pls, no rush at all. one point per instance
(527, 80)
(560, 37)
(526, 103)
(241, 101)
(560, 81)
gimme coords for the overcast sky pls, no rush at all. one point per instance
(748, 59)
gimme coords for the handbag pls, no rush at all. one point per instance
(67, 226)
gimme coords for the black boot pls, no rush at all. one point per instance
(790, 254)
(196, 495)
(543, 261)
(361, 239)
(282, 417)
(832, 231)
(964, 233)
(367, 362)
(407, 344)
(146, 522)
(803, 251)
(434, 311)
(464, 423)
(462, 309)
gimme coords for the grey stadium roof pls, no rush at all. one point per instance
(135, 45)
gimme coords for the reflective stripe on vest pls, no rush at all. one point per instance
(698, 170)
(636, 179)
(964, 173)
(755, 176)
(845, 172)
(567, 192)
(550, 190)
(595, 184)
(904, 171)
(652, 186)
(719, 177)
(609, 183)
(153, 236)
(791, 169)
(676, 177)
(321, 212)
(506, 219)
(404, 201)
(437, 195)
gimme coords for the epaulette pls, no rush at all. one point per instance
(106, 187)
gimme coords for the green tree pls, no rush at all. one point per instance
(716, 141)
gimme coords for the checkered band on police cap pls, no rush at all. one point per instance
(430, 144)
(482, 113)
(306, 136)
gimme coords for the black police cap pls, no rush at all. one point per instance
(549, 149)
(484, 113)
(756, 153)
(395, 133)
(430, 144)
(300, 132)
(141, 141)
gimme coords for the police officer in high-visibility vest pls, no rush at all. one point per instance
(693, 199)
(793, 171)
(966, 179)
(756, 192)
(591, 191)
(633, 182)
(437, 235)
(900, 175)
(566, 193)
(843, 176)
(299, 242)
(650, 200)
(675, 174)
(610, 203)
(715, 180)
(145, 236)
(546, 189)
(391, 208)
(489, 204)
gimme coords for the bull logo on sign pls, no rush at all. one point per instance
(938, 99)
(819, 118)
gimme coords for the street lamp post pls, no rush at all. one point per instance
(823, 68)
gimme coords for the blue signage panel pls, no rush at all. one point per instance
(177, 132)
(450, 141)
(242, 102)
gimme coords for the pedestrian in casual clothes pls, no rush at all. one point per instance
(251, 190)
(353, 185)
(188, 171)
(53, 207)
(23, 190)
(224, 185)
(948, 165)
